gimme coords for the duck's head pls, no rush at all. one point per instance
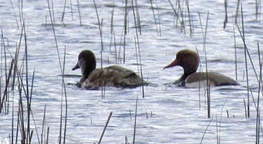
(187, 59)
(87, 63)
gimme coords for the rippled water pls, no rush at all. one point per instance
(167, 114)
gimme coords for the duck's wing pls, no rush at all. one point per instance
(113, 76)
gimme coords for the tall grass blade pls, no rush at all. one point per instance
(105, 127)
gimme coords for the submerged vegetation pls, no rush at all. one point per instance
(120, 35)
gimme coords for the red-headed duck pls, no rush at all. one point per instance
(116, 76)
(189, 60)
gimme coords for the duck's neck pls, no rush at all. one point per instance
(183, 78)
(86, 70)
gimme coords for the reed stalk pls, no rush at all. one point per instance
(80, 19)
(235, 48)
(257, 8)
(63, 12)
(125, 16)
(206, 130)
(182, 22)
(258, 119)
(137, 16)
(137, 42)
(135, 120)
(112, 31)
(189, 18)
(175, 12)
(155, 21)
(53, 11)
(105, 127)
(204, 33)
(226, 20)
(245, 53)
(5, 96)
(13, 8)
(238, 3)
(43, 125)
(245, 108)
(64, 92)
(100, 22)
(61, 65)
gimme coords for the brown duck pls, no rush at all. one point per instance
(116, 76)
(189, 60)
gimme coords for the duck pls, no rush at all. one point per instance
(94, 78)
(189, 61)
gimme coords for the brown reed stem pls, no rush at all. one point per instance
(258, 120)
(63, 12)
(155, 21)
(226, 20)
(238, 3)
(189, 18)
(245, 53)
(175, 12)
(135, 120)
(105, 127)
(80, 21)
(206, 130)
(235, 47)
(206, 68)
(43, 126)
(5, 98)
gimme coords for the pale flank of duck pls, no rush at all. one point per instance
(199, 79)
(116, 76)
(189, 60)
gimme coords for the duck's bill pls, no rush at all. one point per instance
(76, 67)
(174, 63)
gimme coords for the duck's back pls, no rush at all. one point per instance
(112, 76)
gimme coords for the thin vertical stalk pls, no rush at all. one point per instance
(138, 46)
(80, 21)
(226, 20)
(105, 127)
(245, 53)
(43, 125)
(189, 17)
(154, 17)
(235, 46)
(5, 97)
(206, 130)
(63, 12)
(257, 107)
(175, 12)
(204, 44)
(238, 3)
(66, 99)
(62, 72)
(100, 28)
(245, 108)
(135, 120)
(257, 8)
(54, 33)
(13, 8)
(125, 16)
(138, 16)
(182, 22)
(27, 88)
